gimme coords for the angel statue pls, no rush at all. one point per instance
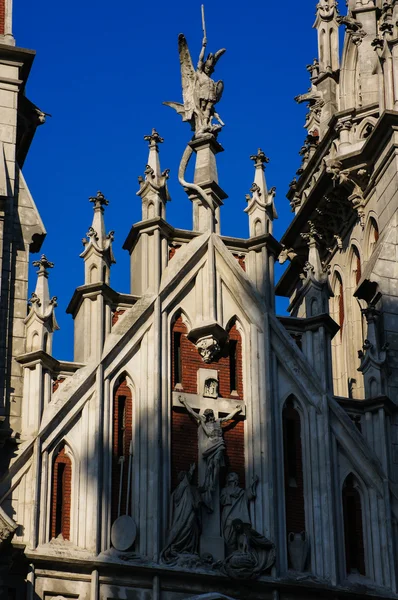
(200, 93)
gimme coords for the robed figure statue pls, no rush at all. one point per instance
(248, 552)
(184, 532)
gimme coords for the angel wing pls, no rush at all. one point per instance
(187, 77)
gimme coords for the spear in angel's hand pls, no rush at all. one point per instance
(204, 24)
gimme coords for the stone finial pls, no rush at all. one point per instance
(259, 159)
(312, 235)
(313, 69)
(261, 206)
(97, 253)
(154, 139)
(153, 186)
(99, 200)
(43, 265)
(326, 9)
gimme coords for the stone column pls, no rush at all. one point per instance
(205, 214)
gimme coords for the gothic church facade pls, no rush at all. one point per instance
(199, 445)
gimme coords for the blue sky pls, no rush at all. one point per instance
(102, 71)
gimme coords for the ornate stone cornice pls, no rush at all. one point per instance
(8, 527)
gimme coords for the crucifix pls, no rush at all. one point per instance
(210, 419)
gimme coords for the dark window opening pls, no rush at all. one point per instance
(353, 529)
(233, 375)
(121, 423)
(357, 265)
(293, 470)
(59, 510)
(341, 306)
(177, 358)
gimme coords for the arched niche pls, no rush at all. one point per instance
(293, 468)
(61, 493)
(122, 440)
(354, 548)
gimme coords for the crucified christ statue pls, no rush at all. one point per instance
(213, 447)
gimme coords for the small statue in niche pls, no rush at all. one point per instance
(213, 447)
(210, 388)
(248, 553)
(184, 532)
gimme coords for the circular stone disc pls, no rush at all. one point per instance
(123, 533)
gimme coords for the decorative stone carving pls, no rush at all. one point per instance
(235, 503)
(210, 388)
(248, 553)
(255, 554)
(213, 448)
(354, 28)
(8, 527)
(298, 547)
(200, 92)
(208, 348)
(183, 538)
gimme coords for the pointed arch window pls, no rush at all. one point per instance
(122, 437)
(293, 469)
(235, 360)
(373, 235)
(339, 293)
(353, 527)
(61, 495)
(357, 269)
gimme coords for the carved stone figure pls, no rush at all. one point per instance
(208, 348)
(248, 553)
(211, 388)
(200, 92)
(255, 554)
(213, 448)
(183, 537)
(235, 503)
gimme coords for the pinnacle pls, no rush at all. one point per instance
(259, 158)
(43, 263)
(154, 139)
(99, 200)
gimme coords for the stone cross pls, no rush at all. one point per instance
(207, 398)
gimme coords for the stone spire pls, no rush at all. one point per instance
(260, 208)
(41, 322)
(153, 186)
(316, 287)
(373, 356)
(97, 254)
(328, 38)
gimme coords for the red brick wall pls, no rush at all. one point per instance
(241, 260)
(116, 315)
(2, 15)
(192, 361)
(353, 528)
(121, 390)
(60, 506)
(184, 436)
(57, 382)
(293, 468)
(173, 250)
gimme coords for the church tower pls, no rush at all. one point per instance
(199, 446)
(21, 228)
